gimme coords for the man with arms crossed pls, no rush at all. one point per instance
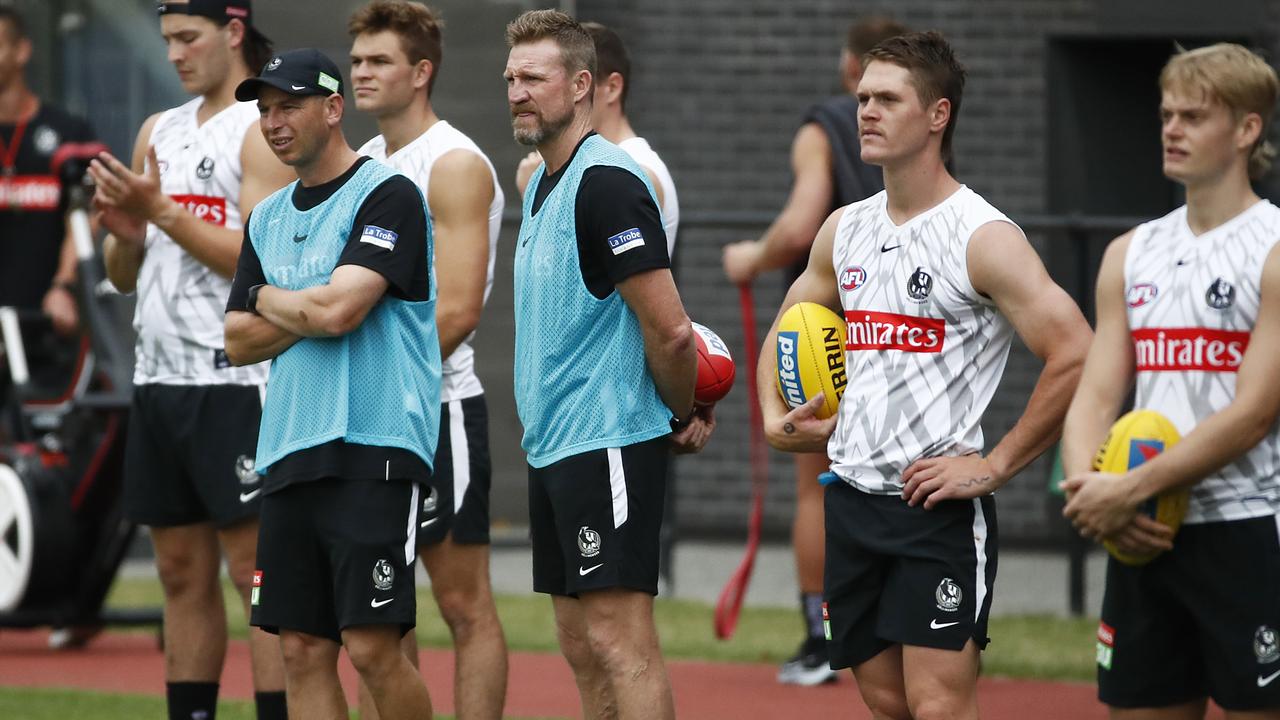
(335, 285)
(395, 60)
(175, 219)
(933, 281)
(1189, 312)
(604, 358)
(609, 119)
(828, 173)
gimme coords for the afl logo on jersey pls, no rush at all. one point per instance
(1220, 295)
(1141, 294)
(919, 285)
(851, 278)
(204, 170)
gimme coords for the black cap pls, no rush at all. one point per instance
(298, 72)
(220, 10)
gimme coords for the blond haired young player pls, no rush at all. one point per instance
(396, 56)
(1189, 317)
(175, 216)
(933, 281)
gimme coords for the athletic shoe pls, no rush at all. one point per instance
(810, 666)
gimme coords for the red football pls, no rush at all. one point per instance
(715, 366)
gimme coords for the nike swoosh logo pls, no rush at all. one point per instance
(246, 497)
(298, 87)
(886, 248)
(376, 603)
(425, 523)
(587, 571)
(299, 238)
(935, 625)
(1265, 681)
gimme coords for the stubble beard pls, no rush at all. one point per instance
(543, 131)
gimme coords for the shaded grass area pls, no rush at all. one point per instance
(1039, 647)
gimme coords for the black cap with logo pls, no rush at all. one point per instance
(298, 72)
(220, 10)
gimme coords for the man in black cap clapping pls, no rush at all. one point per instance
(174, 214)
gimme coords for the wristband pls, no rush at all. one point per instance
(251, 299)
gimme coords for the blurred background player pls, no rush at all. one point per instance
(395, 59)
(1202, 347)
(37, 256)
(944, 282)
(175, 222)
(609, 119)
(827, 173)
(593, 289)
(335, 285)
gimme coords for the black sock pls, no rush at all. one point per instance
(811, 606)
(192, 700)
(271, 705)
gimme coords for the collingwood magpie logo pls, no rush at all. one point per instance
(948, 595)
(1266, 645)
(588, 542)
(919, 285)
(245, 470)
(204, 170)
(383, 575)
(1220, 295)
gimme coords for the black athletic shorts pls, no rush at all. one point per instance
(461, 476)
(189, 456)
(902, 575)
(594, 519)
(335, 553)
(1200, 620)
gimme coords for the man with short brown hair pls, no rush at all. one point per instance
(395, 59)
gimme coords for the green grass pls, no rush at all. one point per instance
(1040, 647)
(42, 704)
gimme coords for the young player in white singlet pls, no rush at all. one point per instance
(1187, 317)
(175, 216)
(181, 300)
(416, 160)
(640, 151)
(906, 288)
(932, 281)
(395, 59)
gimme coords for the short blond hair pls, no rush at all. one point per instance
(1236, 77)
(577, 49)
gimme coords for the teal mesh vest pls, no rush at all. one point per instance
(377, 385)
(581, 380)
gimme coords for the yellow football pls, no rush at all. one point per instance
(1134, 439)
(811, 340)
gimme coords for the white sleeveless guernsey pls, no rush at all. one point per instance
(640, 151)
(1192, 304)
(925, 351)
(181, 302)
(415, 160)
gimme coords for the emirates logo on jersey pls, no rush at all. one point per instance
(30, 192)
(212, 210)
(1189, 349)
(871, 330)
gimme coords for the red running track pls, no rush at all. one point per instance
(540, 685)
